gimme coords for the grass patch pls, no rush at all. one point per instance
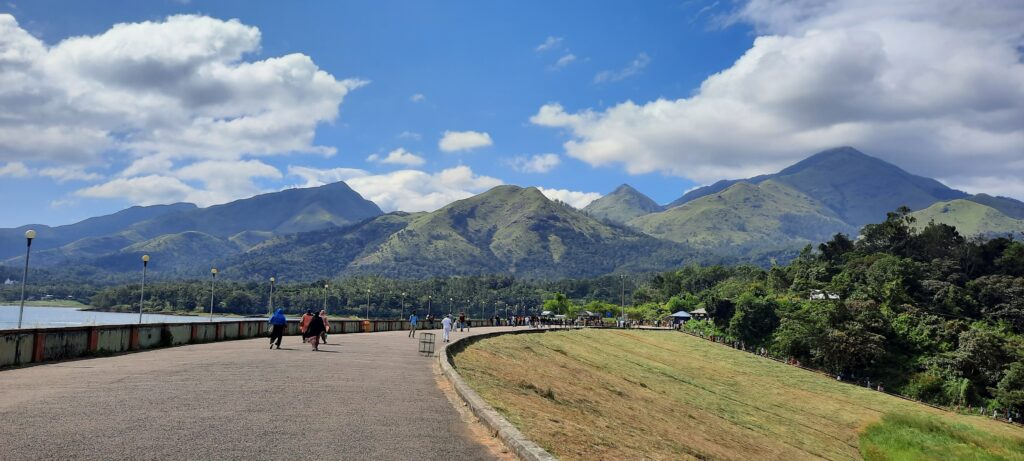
(918, 437)
(630, 394)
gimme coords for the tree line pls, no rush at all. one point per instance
(933, 315)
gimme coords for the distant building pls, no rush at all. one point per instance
(822, 295)
(10, 282)
(679, 317)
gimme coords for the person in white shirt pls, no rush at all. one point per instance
(447, 327)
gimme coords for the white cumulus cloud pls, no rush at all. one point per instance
(936, 87)
(203, 183)
(540, 163)
(65, 174)
(575, 199)
(405, 190)
(152, 94)
(398, 156)
(453, 141)
(418, 97)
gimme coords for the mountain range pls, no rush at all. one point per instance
(328, 231)
(183, 233)
(507, 229)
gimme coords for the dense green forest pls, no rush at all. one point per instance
(476, 295)
(931, 314)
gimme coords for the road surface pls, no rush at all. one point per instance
(363, 396)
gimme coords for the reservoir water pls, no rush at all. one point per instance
(48, 317)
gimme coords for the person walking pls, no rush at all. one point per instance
(304, 323)
(462, 320)
(277, 325)
(446, 327)
(412, 324)
(327, 326)
(313, 331)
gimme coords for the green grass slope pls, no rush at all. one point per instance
(1008, 206)
(969, 218)
(621, 205)
(615, 394)
(746, 219)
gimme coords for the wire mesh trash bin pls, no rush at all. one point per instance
(427, 344)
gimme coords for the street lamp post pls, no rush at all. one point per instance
(142, 295)
(367, 304)
(29, 235)
(451, 305)
(326, 287)
(402, 315)
(622, 300)
(430, 298)
(272, 295)
(213, 282)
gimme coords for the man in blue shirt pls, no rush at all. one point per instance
(412, 324)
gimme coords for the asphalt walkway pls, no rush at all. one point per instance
(363, 396)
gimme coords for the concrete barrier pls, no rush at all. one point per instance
(524, 448)
(21, 347)
(110, 340)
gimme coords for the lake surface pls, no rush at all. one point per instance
(48, 317)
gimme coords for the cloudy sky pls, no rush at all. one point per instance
(415, 104)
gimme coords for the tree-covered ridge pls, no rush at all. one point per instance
(506, 230)
(969, 218)
(206, 235)
(928, 312)
(752, 222)
(857, 187)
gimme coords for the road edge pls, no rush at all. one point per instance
(500, 427)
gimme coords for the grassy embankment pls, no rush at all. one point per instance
(581, 395)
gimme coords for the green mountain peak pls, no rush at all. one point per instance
(622, 205)
(969, 218)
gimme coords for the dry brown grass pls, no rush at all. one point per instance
(613, 394)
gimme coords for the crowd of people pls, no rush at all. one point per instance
(312, 327)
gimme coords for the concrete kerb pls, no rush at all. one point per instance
(523, 447)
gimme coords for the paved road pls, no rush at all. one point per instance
(364, 396)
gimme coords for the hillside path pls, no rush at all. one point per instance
(363, 396)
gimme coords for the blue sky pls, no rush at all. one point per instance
(626, 104)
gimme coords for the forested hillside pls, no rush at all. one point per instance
(931, 314)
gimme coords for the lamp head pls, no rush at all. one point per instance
(325, 286)
(272, 280)
(30, 234)
(145, 258)
(214, 271)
